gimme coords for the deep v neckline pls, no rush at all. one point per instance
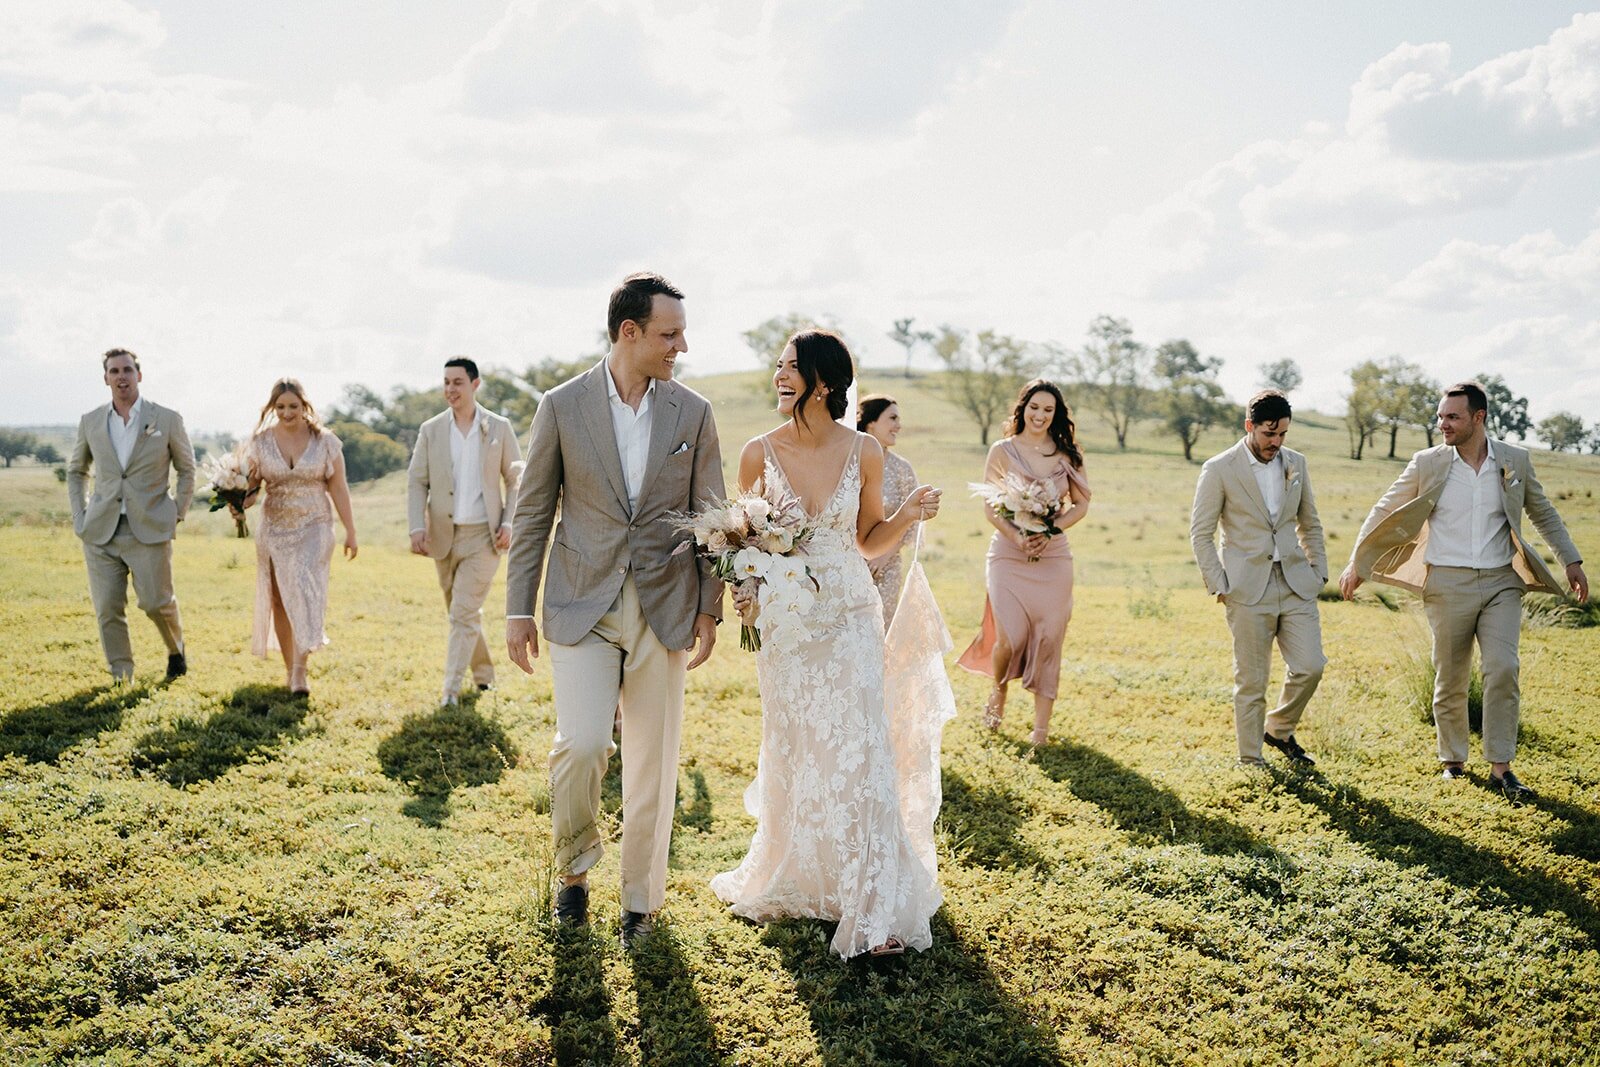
(844, 470)
(291, 463)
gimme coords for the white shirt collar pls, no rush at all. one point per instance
(611, 387)
(1488, 454)
(477, 416)
(1256, 461)
(133, 412)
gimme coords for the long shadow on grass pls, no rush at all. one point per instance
(40, 734)
(252, 724)
(942, 1006)
(697, 815)
(1406, 841)
(434, 753)
(579, 1005)
(984, 824)
(1150, 814)
(673, 1026)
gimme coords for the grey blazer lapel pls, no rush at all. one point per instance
(1292, 489)
(595, 405)
(149, 423)
(663, 432)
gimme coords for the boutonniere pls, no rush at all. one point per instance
(1291, 474)
(151, 431)
(1508, 480)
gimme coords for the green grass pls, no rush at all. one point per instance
(209, 871)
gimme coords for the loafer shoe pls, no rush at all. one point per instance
(1291, 748)
(1510, 786)
(636, 926)
(572, 905)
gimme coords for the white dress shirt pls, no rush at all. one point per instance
(1469, 526)
(466, 469)
(632, 430)
(124, 435)
(1269, 478)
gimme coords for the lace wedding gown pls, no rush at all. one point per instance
(847, 786)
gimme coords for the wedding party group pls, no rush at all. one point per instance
(618, 512)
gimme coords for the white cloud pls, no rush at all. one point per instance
(1537, 270)
(1555, 359)
(77, 41)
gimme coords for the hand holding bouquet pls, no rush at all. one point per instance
(1026, 503)
(751, 543)
(228, 478)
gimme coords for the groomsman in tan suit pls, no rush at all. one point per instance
(619, 448)
(132, 445)
(1272, 566)
(463, 473)
(1450, 528)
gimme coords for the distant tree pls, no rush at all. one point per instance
(47, 453)
(1363, 405)
(1563, 432)
(1282, 374)
(767, 339)
(1592, 442)
(1508, 412)
(1190, 393)
(1405, 396)
(368, 454)
(1116, 371)
(539, 378)
(15, 444)
(907, 338)
(983, 379)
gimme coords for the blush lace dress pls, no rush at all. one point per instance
(847, 785)
(294, 541)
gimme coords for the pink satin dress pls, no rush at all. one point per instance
(1028, 601)
(295, 540)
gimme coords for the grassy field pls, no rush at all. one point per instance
(208, 872)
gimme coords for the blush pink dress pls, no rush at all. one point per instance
(1029, 601)
(295, 540)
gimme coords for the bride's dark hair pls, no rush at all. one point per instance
(1062, 430)
(822, 359)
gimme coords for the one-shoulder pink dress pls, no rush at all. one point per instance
(1028, 601)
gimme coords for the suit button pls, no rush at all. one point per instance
(622, 570)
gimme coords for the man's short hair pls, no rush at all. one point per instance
(113, 353)
(1269, 405)
(465, 364)
(1477, 399)
(633, 299)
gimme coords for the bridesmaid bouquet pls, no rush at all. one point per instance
(753, 543)
(228, 478)
(1029, 505)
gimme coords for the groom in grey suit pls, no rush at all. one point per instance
(1272, 566)
(619, 448)
(132, 445)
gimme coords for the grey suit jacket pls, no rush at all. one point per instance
(430, 497)
(573, 461)
(1394, 538)
(153, 512)
(1228, 495)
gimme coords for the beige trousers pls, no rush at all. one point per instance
(1463, 604)
(620, 660)
(465, 576)
(1293, 620)
(109, 566)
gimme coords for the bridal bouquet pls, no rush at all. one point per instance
(1029, 505)
(753, 543)
(228, 478)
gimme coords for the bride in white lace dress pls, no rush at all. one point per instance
(846, 788)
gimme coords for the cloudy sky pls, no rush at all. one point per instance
(350, 192)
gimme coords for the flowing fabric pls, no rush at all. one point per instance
(844, 818)
(294, 542)
(1028, 601)
(899, 480)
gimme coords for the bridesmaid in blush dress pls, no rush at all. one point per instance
(301, 466)
(1029, 577)
(879, 415)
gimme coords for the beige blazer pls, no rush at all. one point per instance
(430, 498)
(1228, 496)
(573, 461)
(153, 511)
(1393, 540)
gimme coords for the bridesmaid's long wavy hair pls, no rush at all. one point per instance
(1062, 429)
(288, 385)
(822, 358)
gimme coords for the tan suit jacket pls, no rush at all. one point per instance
(1393, 541)
(430, 498)
(573, 461)
(1228, 495)
(153, 511)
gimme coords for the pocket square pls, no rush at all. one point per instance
(682, 447)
